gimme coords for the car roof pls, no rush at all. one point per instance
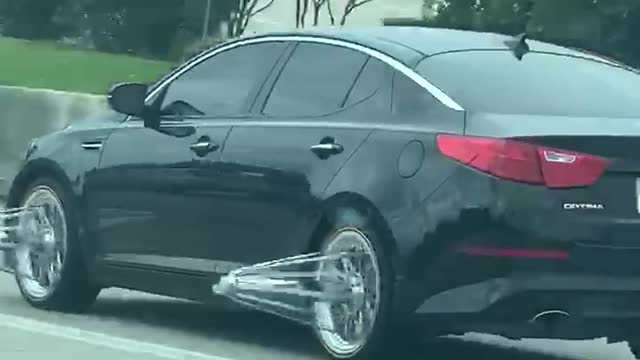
(410, 44)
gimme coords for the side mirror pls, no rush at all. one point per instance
(128, 98)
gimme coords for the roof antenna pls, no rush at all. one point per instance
(518, 45)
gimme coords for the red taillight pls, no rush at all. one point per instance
(523, 162)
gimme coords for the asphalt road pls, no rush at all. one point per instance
(129, 325)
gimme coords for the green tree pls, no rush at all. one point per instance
(31, 19)
(158, 29)
(132, 26)
(603, 26)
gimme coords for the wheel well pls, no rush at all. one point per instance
(32, 171)
(38, 169)
(354, 201)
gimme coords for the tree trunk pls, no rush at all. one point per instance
(332, 19)
(316, 14)
(305, 8)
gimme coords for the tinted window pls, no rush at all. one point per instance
(315, 81)
(370, 81)
(223, 84)
(495, 81)
(409, 98)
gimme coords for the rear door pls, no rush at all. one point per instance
(277, 167)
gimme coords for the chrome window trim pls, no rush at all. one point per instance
(395, 64)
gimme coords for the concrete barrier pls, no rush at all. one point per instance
(29, 113)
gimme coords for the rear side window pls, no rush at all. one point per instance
(315, 81)
(409, 98)
(371, 80)
(544, 84)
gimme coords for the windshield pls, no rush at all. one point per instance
(541, 83)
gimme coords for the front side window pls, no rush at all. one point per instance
(223, 85)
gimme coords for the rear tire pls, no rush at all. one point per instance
(72, 290)
(378, 342)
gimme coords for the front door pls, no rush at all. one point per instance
(140, 197)
(154, 194)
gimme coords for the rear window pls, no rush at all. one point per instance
(545, 84)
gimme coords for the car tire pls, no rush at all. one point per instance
(371, 227)
(73, 291)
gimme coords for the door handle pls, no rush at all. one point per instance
(203, 146)
(324, 150)
(92, 145)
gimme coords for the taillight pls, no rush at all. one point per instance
(523, 162)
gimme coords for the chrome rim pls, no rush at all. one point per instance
(343, 328)
(39, 264)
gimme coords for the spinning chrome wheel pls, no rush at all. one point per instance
(39, 261)
(344, 327)
(49, 265)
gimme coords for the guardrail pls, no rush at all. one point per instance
(28, 113)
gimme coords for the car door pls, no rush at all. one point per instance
(277, 168)
(152, 194)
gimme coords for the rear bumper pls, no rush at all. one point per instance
(598, 305)
(590, 295)
(584, 262)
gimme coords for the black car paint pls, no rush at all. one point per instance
(153, 192)
(175, 243)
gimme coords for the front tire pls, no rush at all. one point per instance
(55, 279)
(368, 335)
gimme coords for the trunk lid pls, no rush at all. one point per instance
(617, 191)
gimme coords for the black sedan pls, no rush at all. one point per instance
(485, 182)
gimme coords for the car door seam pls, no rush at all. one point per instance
(355, 81)
(267, 84)
(344, 163)
(277, 75)
(224, 141)
(104, 143)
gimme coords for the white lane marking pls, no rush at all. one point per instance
(95, 338)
